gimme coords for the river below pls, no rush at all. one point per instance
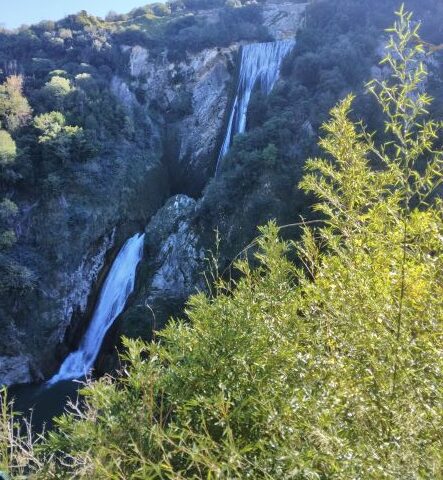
(41, 403)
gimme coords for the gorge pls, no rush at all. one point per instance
(207, 80)
(259, 63)
(159, 95)
(221, 251)
(118, 286)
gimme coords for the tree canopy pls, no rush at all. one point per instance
(14, 107)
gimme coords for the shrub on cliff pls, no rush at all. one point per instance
(14, 107)
(54, 93)
(60, 141)
(8, 149)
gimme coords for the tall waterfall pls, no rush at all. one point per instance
(260, 62)
(118, 285)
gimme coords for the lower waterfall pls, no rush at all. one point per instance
(260, 62)
(117, 287)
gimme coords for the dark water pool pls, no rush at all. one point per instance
(44, 402)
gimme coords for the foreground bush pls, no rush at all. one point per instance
(330, 368)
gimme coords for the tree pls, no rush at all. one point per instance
(50, 125)
(15, 111)
(65, 33)
(55, 91)
(161, 9)
(112, 16)
(8, 149)
(270, 156)
(8, 211)
(61, 141)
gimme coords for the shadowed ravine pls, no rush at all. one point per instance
(261, 63)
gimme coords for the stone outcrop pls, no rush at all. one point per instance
(283, 18)
(82, 281)
(16, 369)
(173, 245)
(68, 245)
(198, 133)
(171, 271)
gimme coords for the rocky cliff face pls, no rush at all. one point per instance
(174, 250)
(173, 269)
(70, 241)
(174, 237)
(283, 18)
(193, 94)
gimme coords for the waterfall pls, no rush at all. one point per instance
(118, 285)
(260, 62)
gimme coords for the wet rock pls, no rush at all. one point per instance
(138, 61)
(81, 282)
(192, 94)
(171, 271)
(15, 370)
(121, 90)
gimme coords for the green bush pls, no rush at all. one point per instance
(8, 149)
(60, 141)
(54, 92)
(15, 111)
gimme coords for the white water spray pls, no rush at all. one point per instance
(118, 285)
(260, 62)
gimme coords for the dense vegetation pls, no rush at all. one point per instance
(15, 113)
(327, 368)
(86, 159)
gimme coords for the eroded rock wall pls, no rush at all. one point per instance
(192, 95)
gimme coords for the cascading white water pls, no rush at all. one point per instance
(118, 285)
(260, 62)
